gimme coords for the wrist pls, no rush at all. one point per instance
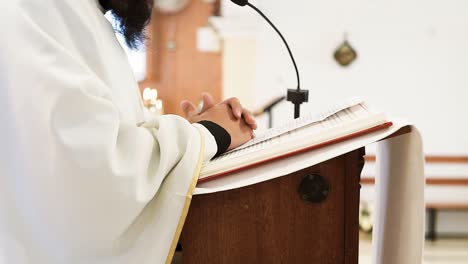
(222, 137)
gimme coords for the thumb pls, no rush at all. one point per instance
(188, 108)
(208, 102)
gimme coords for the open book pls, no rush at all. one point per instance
(339, 122)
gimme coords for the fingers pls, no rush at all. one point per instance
(249, 119)
(247, 130)
(241, 135)
(236, 111)
(189, 109)
(208, 102)
(250, 134)
(239, 112)
(236, 107)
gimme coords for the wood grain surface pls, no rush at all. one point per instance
(269, 223)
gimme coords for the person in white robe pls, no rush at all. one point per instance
(86, 175)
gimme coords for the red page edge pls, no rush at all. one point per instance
(299, 151)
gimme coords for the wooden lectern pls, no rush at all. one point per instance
(310, 216)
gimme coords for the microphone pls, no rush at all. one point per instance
(296, 96)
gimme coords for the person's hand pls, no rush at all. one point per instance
(222, 115)
(208, 102)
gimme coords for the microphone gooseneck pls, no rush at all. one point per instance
(282, 38)
(296, 96)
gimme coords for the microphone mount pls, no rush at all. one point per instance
(297, 96)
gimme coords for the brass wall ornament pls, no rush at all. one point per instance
(345, 54)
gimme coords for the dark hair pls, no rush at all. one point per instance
(132, 17)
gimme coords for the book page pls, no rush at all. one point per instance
(301, 122)
(293, 134)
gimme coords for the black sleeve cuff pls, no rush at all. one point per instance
(222, 137)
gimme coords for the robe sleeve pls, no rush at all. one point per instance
(211, 144)
(86, 172)
(96, 171)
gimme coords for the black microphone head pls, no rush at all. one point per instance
(240, 2)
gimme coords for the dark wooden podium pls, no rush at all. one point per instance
(310, 216)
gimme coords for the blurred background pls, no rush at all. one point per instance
(407, 58)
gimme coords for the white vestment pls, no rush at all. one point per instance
(85, 176)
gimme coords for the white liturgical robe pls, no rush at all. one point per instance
(86, 177)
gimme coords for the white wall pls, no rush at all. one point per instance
(412, 60)
(239, 81)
